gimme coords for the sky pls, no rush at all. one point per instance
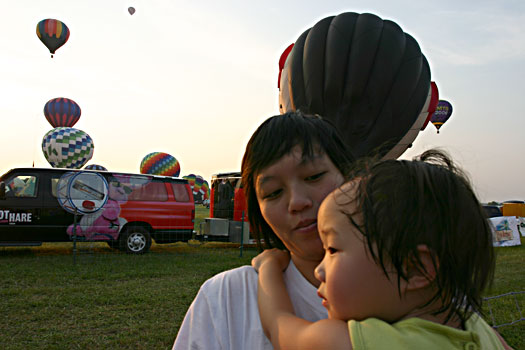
(196, 78)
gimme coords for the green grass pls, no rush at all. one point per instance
(106, 299)
(200, 214)
(111, 300)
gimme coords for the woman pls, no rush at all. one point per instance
(292, 162)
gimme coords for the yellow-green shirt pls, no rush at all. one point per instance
(416, 333)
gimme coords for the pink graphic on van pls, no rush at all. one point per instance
(106, 223)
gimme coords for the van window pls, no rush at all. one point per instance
(180, 192)
(153, 191)
(22, 186)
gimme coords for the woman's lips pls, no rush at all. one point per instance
(306, 226)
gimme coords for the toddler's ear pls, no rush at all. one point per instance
(423, 274)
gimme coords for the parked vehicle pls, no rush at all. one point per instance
(123, 209)
(492, 210)
(228, 219)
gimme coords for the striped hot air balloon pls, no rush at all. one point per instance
(62, 111)
(53, 33)
(160, 163)
(206, 189)
(191, 180)
(363, 74)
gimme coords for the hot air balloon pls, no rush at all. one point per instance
(198, 184)
(442, 113)
(159, 163)
(191, 180)
(53, 33)
(131, 10)
(206, 189)
(62, 111)
(95, 167)
(363, 74)
(433, 103)
(67, 148)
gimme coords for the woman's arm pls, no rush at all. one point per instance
(282, 327)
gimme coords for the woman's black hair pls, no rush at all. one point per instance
(427, 201)
(275, 138)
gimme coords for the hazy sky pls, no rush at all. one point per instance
(195, 78)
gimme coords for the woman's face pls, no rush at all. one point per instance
(289, 193)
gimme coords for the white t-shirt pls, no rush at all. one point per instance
(224, 314)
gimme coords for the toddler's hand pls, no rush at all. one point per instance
(272, 256)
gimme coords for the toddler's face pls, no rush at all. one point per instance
(352, 286)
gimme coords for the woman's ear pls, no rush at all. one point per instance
(423, 273)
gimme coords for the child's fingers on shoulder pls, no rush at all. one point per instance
(280, 256)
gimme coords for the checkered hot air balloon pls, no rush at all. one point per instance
(62, 111)
(67, 148)
(159, 163)
(95, 167)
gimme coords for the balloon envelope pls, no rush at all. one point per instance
(159, 163)
(363, 74)
(131, 10)
(53, 33)
(191, 180)
(67, 148)
(198, 184)
(95, 167)
(206, 189)
(62, 111)
(442, 113)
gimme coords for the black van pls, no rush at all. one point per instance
(125, 210)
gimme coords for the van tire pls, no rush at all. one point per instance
(135, 240)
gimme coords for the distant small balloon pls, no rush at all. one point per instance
(53, 33)
(131, 10)
(441, 115)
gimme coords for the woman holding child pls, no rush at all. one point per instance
(291, 164)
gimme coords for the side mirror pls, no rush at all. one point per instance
(2, 190)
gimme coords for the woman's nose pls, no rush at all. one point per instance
(299, 200)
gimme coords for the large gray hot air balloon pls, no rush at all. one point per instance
(363, 74)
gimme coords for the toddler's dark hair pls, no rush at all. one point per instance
(428, 201)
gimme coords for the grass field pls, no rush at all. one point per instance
(102, 299)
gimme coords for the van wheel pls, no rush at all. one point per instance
(135, 240)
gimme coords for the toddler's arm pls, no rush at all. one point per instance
(283, 328)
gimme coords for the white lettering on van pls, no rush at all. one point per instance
(4, 214)
(7, 216)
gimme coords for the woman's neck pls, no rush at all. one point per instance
(306, 268)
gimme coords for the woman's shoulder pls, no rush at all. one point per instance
(243, 276)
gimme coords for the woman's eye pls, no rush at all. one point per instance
(272, 195)
(331, 250)
(315, 176)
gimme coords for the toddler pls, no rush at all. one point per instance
(408, 252)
